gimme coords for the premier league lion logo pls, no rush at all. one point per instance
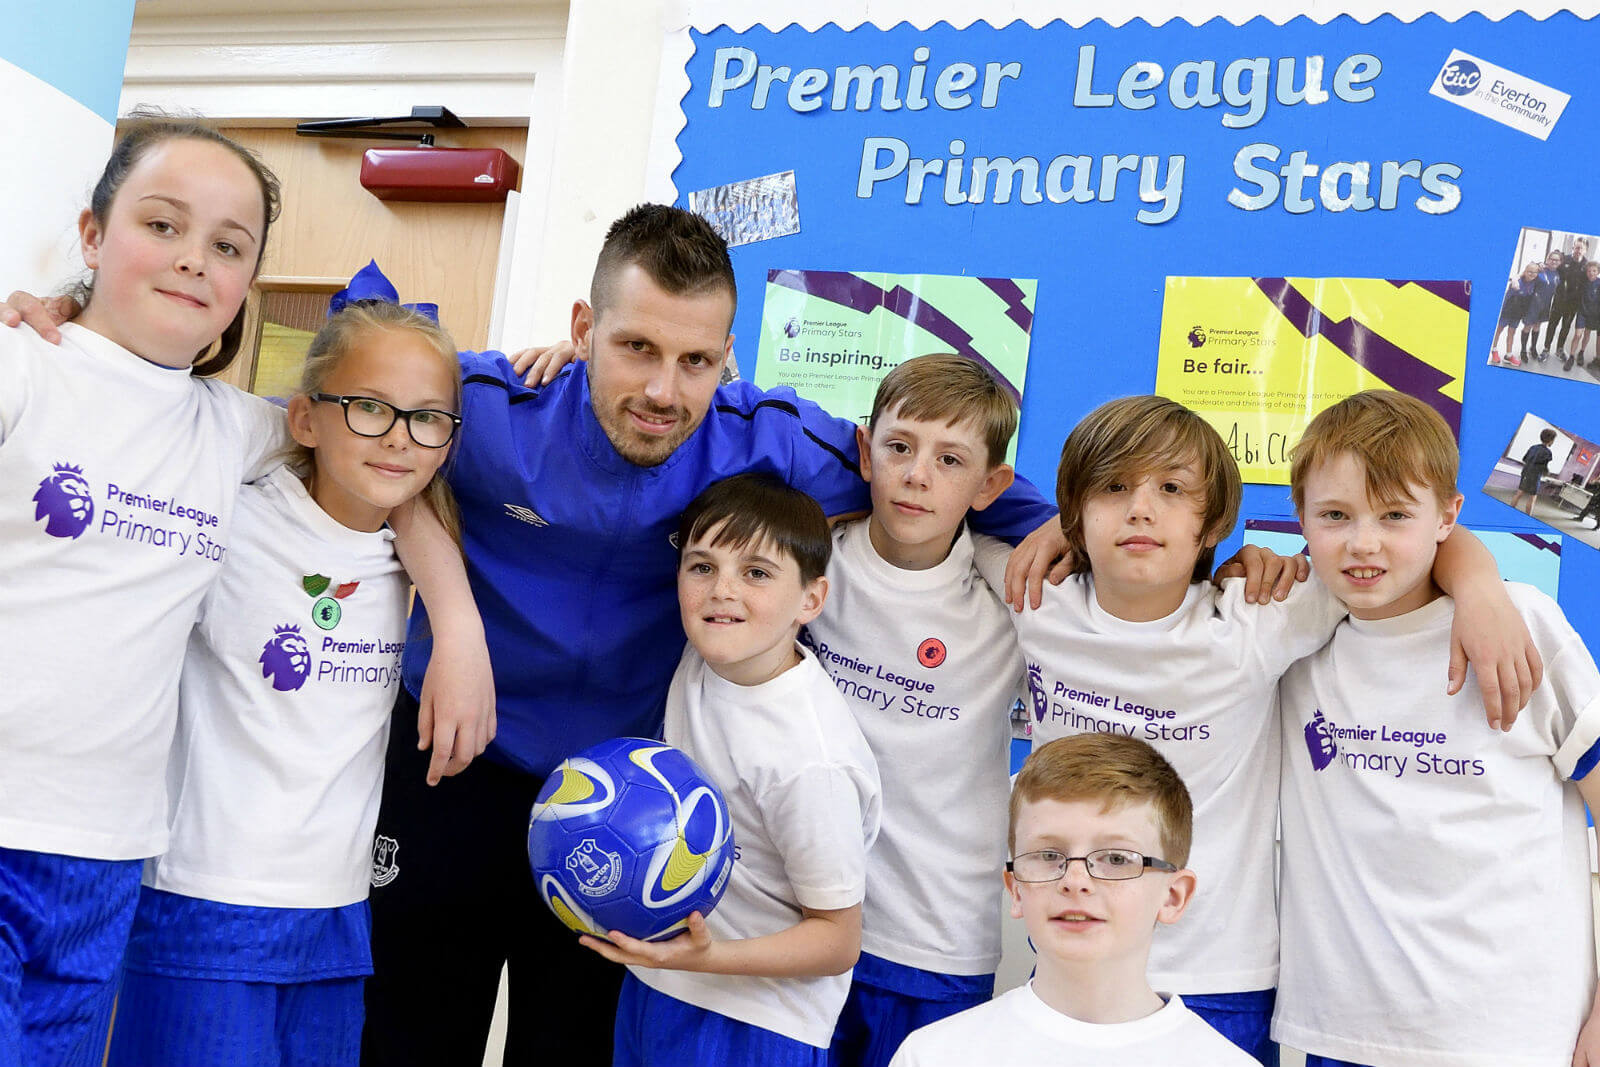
(286, 659)
(65, 502)
(1041, 703)
(1197, 337)
(1320, 742)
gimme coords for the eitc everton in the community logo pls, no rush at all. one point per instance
(65, 502)
(1460, 77)
(286, 659)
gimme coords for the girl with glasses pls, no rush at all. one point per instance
(250, 942)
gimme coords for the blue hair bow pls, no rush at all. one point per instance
(370, 283)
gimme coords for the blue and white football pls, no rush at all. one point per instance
(630, 835)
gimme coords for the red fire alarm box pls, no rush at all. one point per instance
(451, 175)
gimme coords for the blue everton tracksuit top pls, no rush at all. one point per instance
(569, 550)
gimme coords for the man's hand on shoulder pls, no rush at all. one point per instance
(43, 315)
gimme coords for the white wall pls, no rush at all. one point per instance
(276, 62)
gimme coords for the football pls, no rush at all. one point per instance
(630, 835)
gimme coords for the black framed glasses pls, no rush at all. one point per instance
(368, 416)
(1106, 864)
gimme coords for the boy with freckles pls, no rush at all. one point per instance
(1435, 897)
(1100, 831)
(926, 659)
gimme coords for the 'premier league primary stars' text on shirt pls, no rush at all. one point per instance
(286, 693)
(117, 486)
(569, 549)
(1017, 1029)
(1435, 871)
(802, 790)
(928, 663)
(1200, 685)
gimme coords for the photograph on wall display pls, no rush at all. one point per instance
(1553, 475)
(1549, 319)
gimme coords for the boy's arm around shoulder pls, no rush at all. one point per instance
(1021, 516)
(456, 712)
(1489, 631)
(989, 555)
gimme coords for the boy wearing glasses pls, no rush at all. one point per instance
(1100, 828)
(1435, 898)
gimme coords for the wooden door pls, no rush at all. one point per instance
(330, 227)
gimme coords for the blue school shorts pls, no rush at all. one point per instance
(1326, 1061)
(163, 1020)
(208, 982)
(1243, 1018)
(889, 1000)
(63, 924)
(655, 1030)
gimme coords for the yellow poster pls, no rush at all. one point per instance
(1259, 357)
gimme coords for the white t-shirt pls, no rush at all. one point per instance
(1017, 1029)
(1435, 870)
(1200, 685)
(928, 663)
(284, 710)
(117, 484)
(802, 788)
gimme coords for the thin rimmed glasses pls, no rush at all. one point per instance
(1106, 864)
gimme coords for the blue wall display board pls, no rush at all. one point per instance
(1101, 160)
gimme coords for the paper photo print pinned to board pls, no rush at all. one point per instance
(1551, 474)
(1549, 319)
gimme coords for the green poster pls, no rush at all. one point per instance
(833, 335)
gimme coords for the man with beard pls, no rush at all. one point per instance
(570, 493)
